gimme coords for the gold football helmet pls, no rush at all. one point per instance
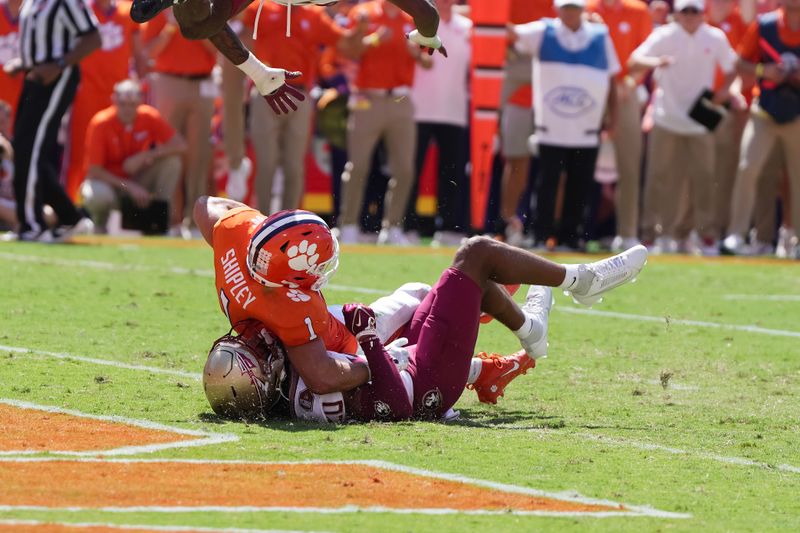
(243, 374)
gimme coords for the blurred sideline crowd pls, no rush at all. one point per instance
(675, 124)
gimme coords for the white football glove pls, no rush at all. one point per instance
(268, 80)
(398, 353)
(431, 43)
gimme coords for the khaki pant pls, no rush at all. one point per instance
(679, 166)
(627, 138)
(761, 135)
(161, 178)
(765, 216)
(233, 113)
(373, 118)
(727, 140)
(280, 140)
(188, 106)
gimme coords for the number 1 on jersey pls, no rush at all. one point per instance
(311, 334)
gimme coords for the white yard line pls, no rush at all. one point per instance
(678, 321)
(117, 267)
(150, 527)
(204, 438)
(103, 362)
(348, 509)
(741, 461)
(631, 510)
(764, 297)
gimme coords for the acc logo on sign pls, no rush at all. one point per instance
(569, 102)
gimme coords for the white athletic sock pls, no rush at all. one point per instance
(529, 333)
(572, 277)
(474, 370)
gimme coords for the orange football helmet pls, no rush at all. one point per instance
(293, 249)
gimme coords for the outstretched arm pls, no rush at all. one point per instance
(425, 15)
(208, 210)
(209, 20)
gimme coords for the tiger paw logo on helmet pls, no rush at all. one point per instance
(303, 256)
(297, 296)
(293, 248)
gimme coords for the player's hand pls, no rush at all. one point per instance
(12, 67)
(360, 320)
(139, 195)
(775, 73)
(399, 353)
(44, 73)
(429, 44)
(276, 92)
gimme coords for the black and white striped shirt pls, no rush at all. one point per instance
(48, 29)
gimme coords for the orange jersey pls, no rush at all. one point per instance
(296, 317)
(524, 11)
(389, 64)
(750, 49)
(101, 69)
(109, 142)
(10, 87)
(311, 29)
(629, 23)
(734, 27)
(181, 56)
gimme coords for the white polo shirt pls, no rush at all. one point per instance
(678, 85)
(440, 92)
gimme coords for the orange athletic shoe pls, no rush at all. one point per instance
(510, 289)
(498, 371)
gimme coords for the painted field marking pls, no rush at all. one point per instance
(679, 321)
(414, 491)
(764, 297)
(701, 455)
(103, 362)
(203, 438)
(16, 524)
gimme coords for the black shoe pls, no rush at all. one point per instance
(144, 10)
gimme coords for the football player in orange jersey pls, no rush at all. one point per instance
(100, 71)
(272, 269)
(203, 19)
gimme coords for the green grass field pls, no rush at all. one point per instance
(680, 392)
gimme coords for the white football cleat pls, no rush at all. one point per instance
(599, 277)
(538, 303)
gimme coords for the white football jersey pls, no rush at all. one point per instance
(319, 408)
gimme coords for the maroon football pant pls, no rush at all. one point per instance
(444, 329)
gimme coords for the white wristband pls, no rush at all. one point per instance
(429, 42)
(266, 79)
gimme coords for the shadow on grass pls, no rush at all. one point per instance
(507, 419)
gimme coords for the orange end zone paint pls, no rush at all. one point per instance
(31, 430)
(110, 484)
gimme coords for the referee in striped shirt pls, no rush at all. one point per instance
(55, 35)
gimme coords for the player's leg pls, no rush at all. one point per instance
(490, 373)
(485, 260)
